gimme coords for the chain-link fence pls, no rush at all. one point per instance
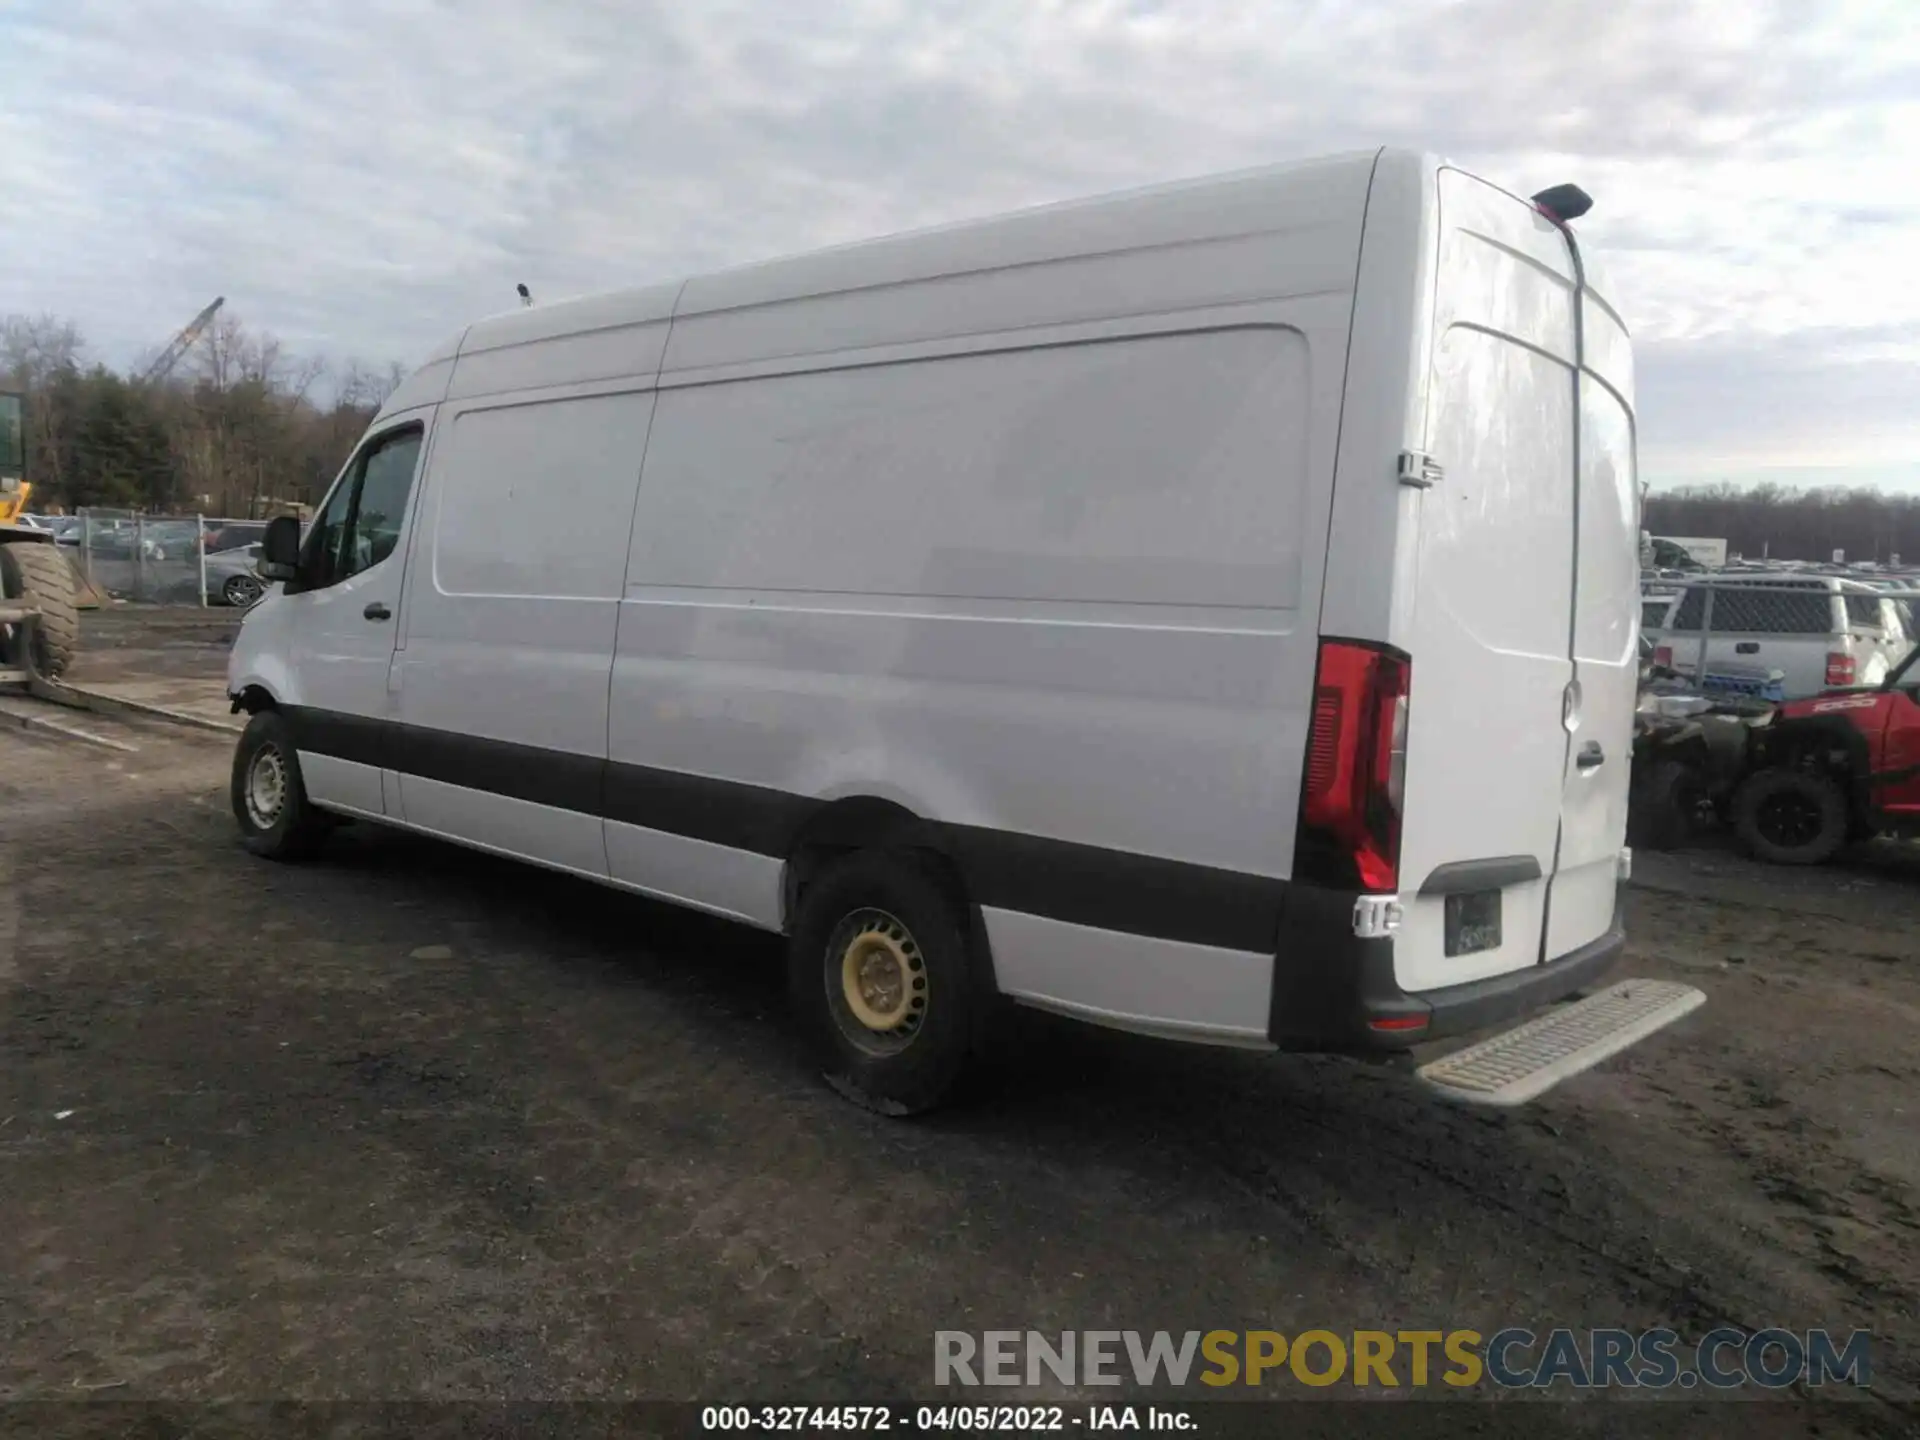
(168, 559)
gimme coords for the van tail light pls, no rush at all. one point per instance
(1839, 668)
(1663, 656)
(1355, 783)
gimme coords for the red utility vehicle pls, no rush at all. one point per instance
(1838, 766)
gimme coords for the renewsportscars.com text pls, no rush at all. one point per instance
(1395, 1359)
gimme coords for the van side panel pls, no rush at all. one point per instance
(1172, 988)
(1375, 521)
(1167, 470)
(983, 588)
(502, 677)
(1041, 585)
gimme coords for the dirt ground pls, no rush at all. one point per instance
(412, 1122)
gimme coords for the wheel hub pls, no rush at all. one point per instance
(266, 787)
(1789, 820)
(883, 979)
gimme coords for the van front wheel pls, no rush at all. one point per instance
(881, 977)
(269, 796)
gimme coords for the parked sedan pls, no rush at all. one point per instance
(233, 535)
(66, 528)
(118, 540)
(231, 579)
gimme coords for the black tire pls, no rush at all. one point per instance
(39, 574)
(915, 936)
(241, 591)
(1663, 806)
(1790, 817)
(291, 829)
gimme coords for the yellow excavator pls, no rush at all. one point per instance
(34, 575)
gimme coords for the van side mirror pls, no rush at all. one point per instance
(280, 549)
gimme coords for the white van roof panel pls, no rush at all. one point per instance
(1273, 197)
(1209, 228)
(577, 316)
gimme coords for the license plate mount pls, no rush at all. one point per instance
(1472, 922)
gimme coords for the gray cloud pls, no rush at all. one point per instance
(363, 179)
(1817, 397)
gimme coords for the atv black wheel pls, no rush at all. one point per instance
(1666, 806)
(1790, 817)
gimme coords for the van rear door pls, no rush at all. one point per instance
(1606, 659)
(1493, 611)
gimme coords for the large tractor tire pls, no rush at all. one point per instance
(38, 574)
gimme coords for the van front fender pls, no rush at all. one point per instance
(265, 684)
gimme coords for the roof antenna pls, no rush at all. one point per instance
(526, 295)
(1563, 203)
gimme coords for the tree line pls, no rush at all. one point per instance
(240, 428)
(1789, 523)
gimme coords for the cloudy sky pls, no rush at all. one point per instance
(363, 178)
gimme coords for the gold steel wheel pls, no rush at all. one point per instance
(881, 984)
(266, 787)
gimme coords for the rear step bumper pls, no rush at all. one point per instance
(1530, 1059)
(1331, 988)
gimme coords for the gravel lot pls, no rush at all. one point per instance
(416, 1123)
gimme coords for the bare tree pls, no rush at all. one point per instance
(33, 350)
(33, 347)
(241, 425)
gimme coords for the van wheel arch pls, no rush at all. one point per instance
(253, 699)
(867, 822)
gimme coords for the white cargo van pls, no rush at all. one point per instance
(1210, 611)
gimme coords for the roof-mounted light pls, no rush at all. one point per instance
(1563, 203)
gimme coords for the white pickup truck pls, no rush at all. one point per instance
(1818, 631)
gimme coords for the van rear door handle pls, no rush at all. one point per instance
(377, 611)
(1590, 756)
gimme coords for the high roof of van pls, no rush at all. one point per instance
(1022, 236)
(1327, 193)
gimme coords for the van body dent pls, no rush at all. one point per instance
(1222, 598)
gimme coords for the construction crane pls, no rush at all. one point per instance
(182, 342)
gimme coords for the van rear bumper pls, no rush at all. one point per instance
(1332, 989)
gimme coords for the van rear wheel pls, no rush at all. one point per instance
(269, 795)
(881, 976)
